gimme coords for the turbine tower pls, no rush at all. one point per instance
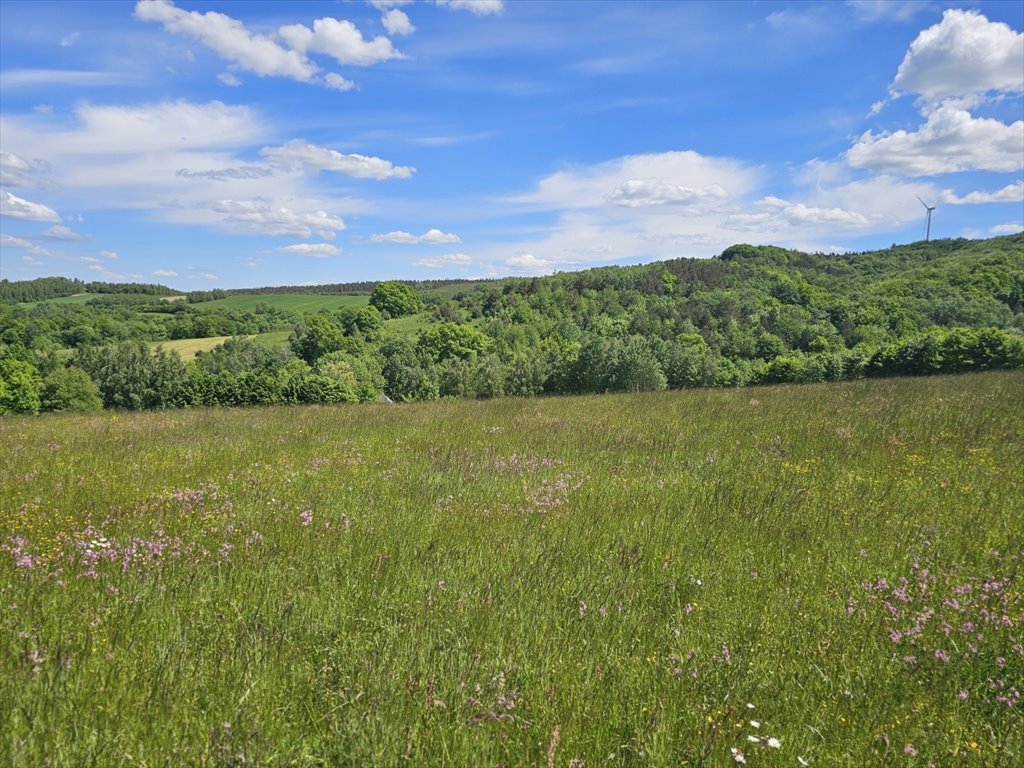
(928, 225)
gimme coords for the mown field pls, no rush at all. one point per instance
(187, 348)
(785, 576)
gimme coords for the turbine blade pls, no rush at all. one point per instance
(922, 201)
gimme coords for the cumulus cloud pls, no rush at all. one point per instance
(15, 207)
(229, 79)
(336, 82)
(259, 216)
(66, 234)
(431, 236)
(951, 140)
(318, 250)
(1011, 193)
(963, 55)
(586, 187)
(340, 39)
(479, 7)
(448, 259)
(229, 38)
(297, 154)
(529, 264)
(645, 192)
(108, 254)
(164, 273)
(776, 214)
(397, 23)
(1007, 229)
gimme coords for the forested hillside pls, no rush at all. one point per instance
(751, 315)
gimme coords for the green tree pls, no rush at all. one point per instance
(20, 384)
(70, 389)
(394, 299)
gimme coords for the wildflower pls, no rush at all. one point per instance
(754, 724)
(774, 743)
(941, 655)
(963, 695)
(307, 516)
(738, 756)
(801, 760)
(910, 750)
(754, 739)
(749, 705)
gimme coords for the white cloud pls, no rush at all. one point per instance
(1007, 229)
(586, 187)
(173, 126)
(201, 275)
(108, 254)
(1011, 193)
(319, 250)
(886, 10)
(69, 40)
(436, 236)
(951, 140)
(21, 244)
(336, 82)
(397, 23)
(164, 273)
(259, 216)
(32, 78)
(431, 236)
(226, 174)
(448, 259)
(14, 170)
(89, 259)
(229, 79)
(297, 154)
(645, 192)
(230, 39)
(340, 39)
(479, 7)
(527, 263)
(963, 55)
(18, 208)
(60, 232)
(776, 214)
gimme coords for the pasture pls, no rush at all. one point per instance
(293, 302)
(776, 576)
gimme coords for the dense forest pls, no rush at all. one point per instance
(752, 315)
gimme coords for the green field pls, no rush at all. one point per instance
(294, 302)
(188, 348)
(813, 575)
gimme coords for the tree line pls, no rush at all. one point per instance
(753, 315)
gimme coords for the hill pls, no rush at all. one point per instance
(751, 315)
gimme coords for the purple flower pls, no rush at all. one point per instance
(307, 516)
(910, 750)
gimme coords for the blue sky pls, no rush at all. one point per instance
(233, 144)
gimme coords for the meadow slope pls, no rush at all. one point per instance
(825, 574)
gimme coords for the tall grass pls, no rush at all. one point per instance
(824, 574)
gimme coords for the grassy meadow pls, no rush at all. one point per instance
(294, 302)
(777, 576)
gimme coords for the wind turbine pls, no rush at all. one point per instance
(928, 226)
